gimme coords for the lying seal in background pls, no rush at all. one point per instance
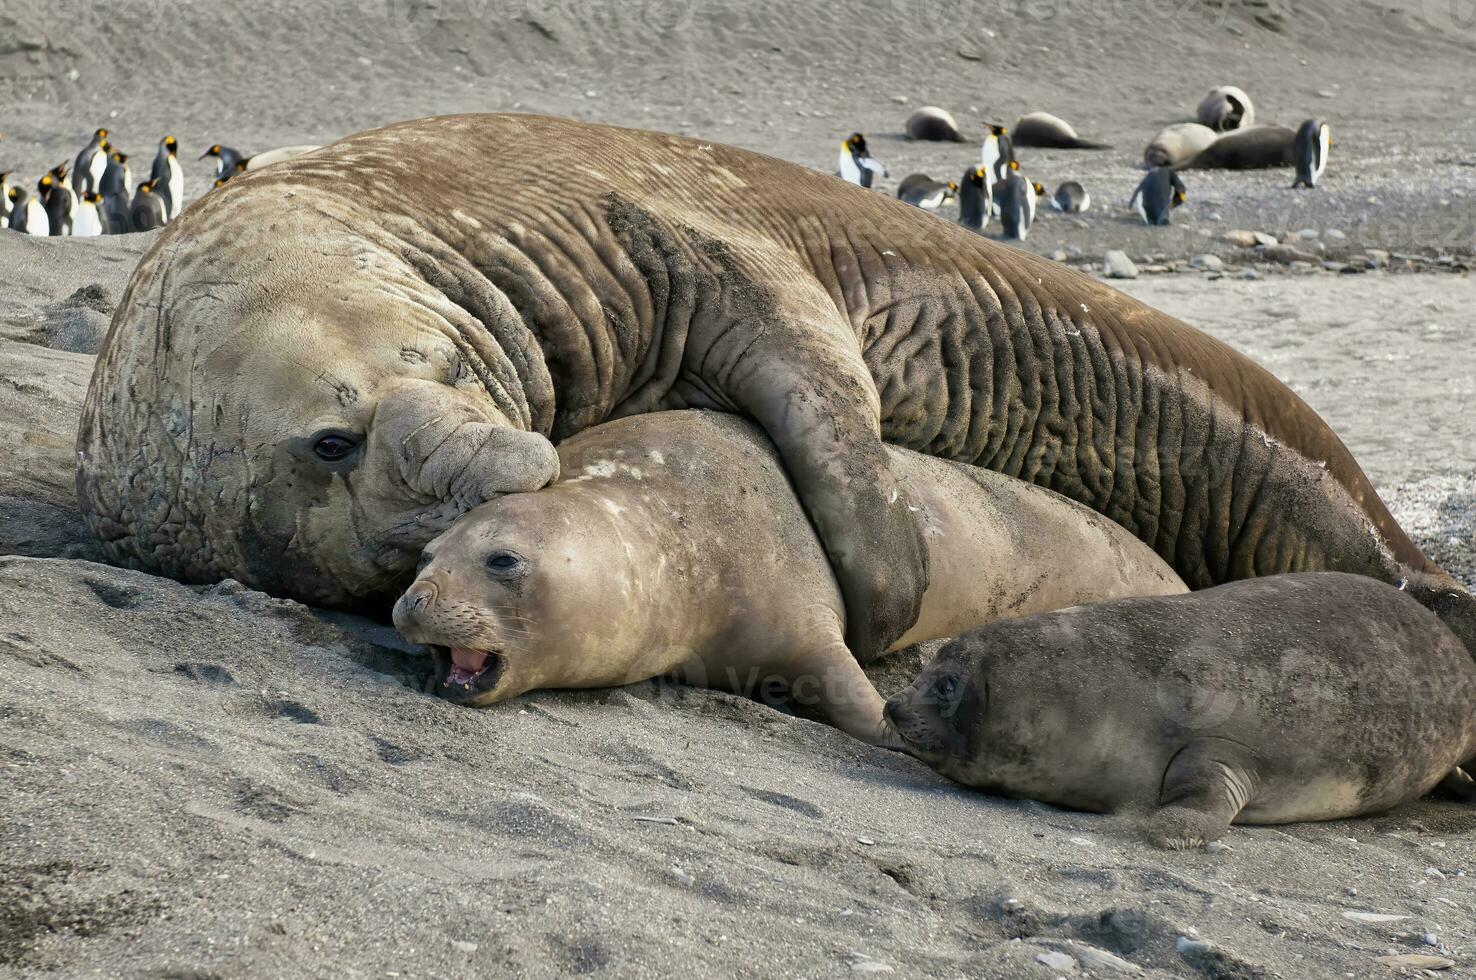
(1045, 130)
(1294, 697)
(302, 394)
(932, 123)
(1178, 144)
(674, 545)
(1256, 148)
(1225, 108)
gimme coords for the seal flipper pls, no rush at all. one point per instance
(1205, 787)
(819, 405)
(846, 697)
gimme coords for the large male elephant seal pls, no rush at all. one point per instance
(673, 544)
(1294, 697)
(320, 365)
(1251, 148)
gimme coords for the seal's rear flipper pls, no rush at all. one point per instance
(1204, 788)
(1442, 596)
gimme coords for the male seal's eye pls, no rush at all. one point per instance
(332, 448)
(503, 561)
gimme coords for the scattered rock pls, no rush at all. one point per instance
(1430, 939)
(1248, 273)
(1100, 961)
(1191, 947)
(1327, 93)
(1416, 961)
(1309, 234)
(1336, 266)
(1207, 261)
(870, 966)
(1056, 961)
(1379, 258)
(1286, 255)
(462, 946)
(1059, 255)
(1373, 918)
(1241, 238)
(1117, 265)
(1336, 235)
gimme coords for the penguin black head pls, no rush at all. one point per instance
(1015, 165)
(220, 182)
(997, 130)
(240, 167)
(14, 194)
(953, 187)
(976, 177)
(92, 197)
(45, 184)
(214, 151)
(857, 144)
(1180, 197)
(120, 156)
(1039, 188)
(100, 135)
(147, 187)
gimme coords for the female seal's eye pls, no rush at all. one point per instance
(503, 561)
(334, 447)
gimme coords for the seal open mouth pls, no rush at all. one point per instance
(467, 673)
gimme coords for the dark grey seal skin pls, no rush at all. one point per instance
(1256, 148)
(320, 365)
(1287, 698)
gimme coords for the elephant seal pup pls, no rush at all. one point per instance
(1178, 144)
(1045, 130)
(1225, 108)
(674, 545)
(1293, 697)
(1256, 148)
(322, 364)
(933, 123)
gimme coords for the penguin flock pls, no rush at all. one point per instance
(95, 194)
(1226, 136)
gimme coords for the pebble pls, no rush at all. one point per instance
(1336, 235)
(1430, 939)
(1308, 234)
(1242, 238)
(1056, 961)
(865, 842)
(1435, 873)
(1082, 842)
(462, 946)
(1378, 257)
(1264, 239)
(1286, 255)
(1337, 267)
(682, 876)
(1416, 961)
(1327, 93)
(1215, 216)
(870, 966)
(1207, 261)
(1059, 255)
(1246, 273)
(1118, 266)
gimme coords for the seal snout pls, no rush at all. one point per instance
(415, 603)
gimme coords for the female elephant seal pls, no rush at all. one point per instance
(322, 364)
(1225, 108)
(674, 544)
(1255, 148)
(1045, 130)
(1178, 144)
(1293, 697)
(933, 123)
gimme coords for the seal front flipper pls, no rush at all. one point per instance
(828, 678)
(1205, 787)
(818, 404)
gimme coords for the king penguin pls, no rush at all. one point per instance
(87, 220)
(117, 201)
(148, 211)
(1071, 197)
(59, 201)
(228, 161)
(1159, 192)
(857, 165)
(27, 213)
(167, 176)
(973, 198)
(997, 153)
(1309, 152)
(922, 191)
(87, 169)
(1016, 198)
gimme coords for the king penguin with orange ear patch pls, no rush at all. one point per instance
(167, 176)
(1016, 199)
(973, 198)
(857, 165)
